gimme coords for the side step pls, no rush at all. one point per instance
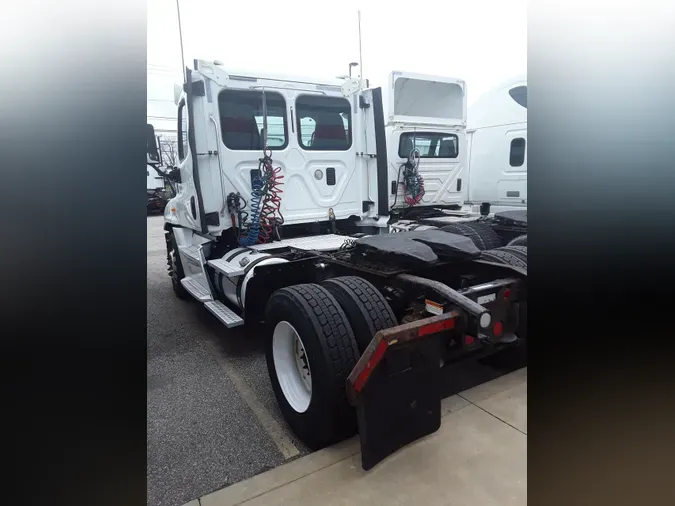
(196, 286)
(224, 314)
(228, 269)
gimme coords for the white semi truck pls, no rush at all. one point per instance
(497, 148)
(341, 239)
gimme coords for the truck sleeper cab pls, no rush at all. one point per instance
(497, 145)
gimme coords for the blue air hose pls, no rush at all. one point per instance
(253, 231)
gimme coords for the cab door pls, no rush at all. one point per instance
(202, 195)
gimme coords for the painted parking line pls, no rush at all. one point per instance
(275, 431)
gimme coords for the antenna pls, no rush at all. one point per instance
(360, 54)
(180, 33)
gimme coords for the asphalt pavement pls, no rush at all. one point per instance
(212, 417)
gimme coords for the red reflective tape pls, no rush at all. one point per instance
(370, 365)
(433, 328)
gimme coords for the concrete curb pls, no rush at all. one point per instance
(261, 484)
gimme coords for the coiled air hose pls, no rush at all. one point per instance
(257, 225)
(270, 214)
(413, 182)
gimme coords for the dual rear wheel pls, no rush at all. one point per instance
(316, 334)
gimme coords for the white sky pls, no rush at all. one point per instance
(481, 41)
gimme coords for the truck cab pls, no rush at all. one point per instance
(428, 113)
(321, 134)
(311, 137)
(497, 145)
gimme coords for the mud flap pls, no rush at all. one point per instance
(395, 387)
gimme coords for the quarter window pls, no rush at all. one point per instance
(517, 155)
(324, 123)
(430, 144)
(241, 120)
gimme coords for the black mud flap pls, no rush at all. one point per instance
(395, 387)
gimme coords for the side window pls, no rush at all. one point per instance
(430, 144)
(241, 120)
(324, 123)
(519, 94)
(517, 155)
(182, 132)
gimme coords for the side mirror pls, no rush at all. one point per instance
(152, 151)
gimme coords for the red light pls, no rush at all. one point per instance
(469, 340)
(497, 329)
(507, 293)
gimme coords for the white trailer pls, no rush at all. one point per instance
(497, 146)
(289, 189)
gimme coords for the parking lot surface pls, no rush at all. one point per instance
(212, 417)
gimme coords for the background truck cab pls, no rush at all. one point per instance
(428, 113)
(497, 146)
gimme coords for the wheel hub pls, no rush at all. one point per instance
(302, 364)
(292, 366)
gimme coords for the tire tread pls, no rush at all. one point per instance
(374, 308)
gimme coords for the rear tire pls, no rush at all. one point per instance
(175, 267)
(521, 240)
(482, 234)
(366, 308)
(331, 353)
(519, 251)
(501, 256)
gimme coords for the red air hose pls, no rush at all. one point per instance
(270, 215)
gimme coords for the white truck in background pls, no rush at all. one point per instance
(497, 148)
(154, 180)
(428, 114)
